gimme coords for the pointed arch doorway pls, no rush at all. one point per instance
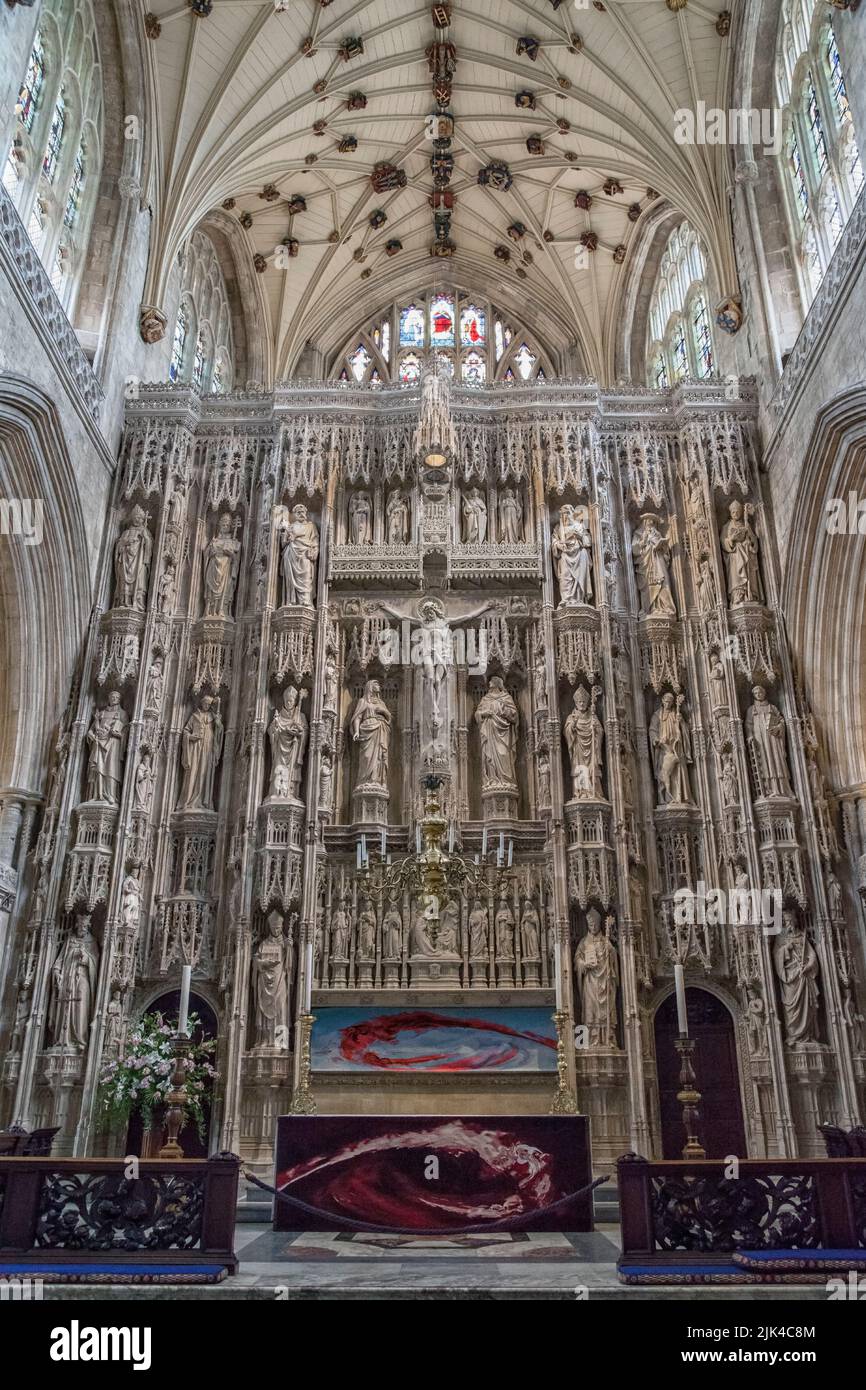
(715, 1062)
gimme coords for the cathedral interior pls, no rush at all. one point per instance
(431, 584)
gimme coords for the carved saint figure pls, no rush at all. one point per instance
(288, 738)
(155, 675)
(479, 931)
(201, 750)
(510, 517)
(397, 516)
(132, 555)
(503, 928)
(672, 752)
(360, 519)
(272, 965)
(530, 932)
(652, 554)
(221, 569)
(326, 781)
(730, 791)
(107, 740)
(765, 735)
(392, 933)
(584, 736)
(73, 981)
(496, 717)
(332, 683)
(143, 790)
(340, 934)
(474, 517)
(167, 589)
(366, 931)
(796, 965)
(596, 970)
(370, 728)
(571, 544)
(300, 553)
(130, 903)
(448, 936)
(740, 548)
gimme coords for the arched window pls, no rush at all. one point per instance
(679, 331)
(202, 348)
(477, 342)
(820, 159)
(52, 167)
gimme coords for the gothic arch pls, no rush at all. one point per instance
(249, 315)
(44, 589)
(823, 584)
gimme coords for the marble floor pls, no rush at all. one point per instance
(562, 1266)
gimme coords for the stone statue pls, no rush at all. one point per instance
(834, 896)
(392, 933)
(596, 971)
(201, 750)
(697, 515)
(420, 939)
(652, 555)
(730, 790)
(360, 519)
(155, 679)
(288, 738)
(112, 1038)
(765, 735)
(672, 752)
(326, 781)
(796, 964)
(107, 740)
(571, 545)
(167, 588)
(503, 927)
(448, 935)
(740, 548)
(144, 779)
(300, 553)
(366, 931)
(130, 903)
(706, 587)
(479, 931)
(544, 798)
(73, 987)
(221, 558)
(132, 555)
(271, 971)
(340, 934)
(370, 728)
(510, 517)
(332, 684)
(397, 516)
(530, 932)
(496, 717)
(584, 736)
(474, 517)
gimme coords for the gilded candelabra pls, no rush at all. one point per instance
(303, 1101)
(176, 1099)
(564, 1101)
(689, 1098)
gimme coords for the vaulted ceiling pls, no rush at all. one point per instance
(251, 94)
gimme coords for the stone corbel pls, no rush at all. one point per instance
(152, 324)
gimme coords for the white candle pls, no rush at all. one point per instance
(364, 850)
(183, 1011)
(682, 1014)
(510, 852)
(501, 845)
(418, 838)
(358, 855)
(383, 843)
(557, 980)
(484, 844)
(477, 858)
(308, 979)
(451, 838)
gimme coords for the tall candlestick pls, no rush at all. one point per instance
(183, 1011)
(682, 1012)
(308, 978)
(484, 844)
(557, 980)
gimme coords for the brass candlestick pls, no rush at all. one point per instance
(176, 1099)
(564, 1101)
(303, 1101)
(689, 1098)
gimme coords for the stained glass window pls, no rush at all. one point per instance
(442, 321)
(837, 81)
(11, 177)
(660, 375)
(359, 361)
(385, 344)
(474, 369)
(502, 338)
(833, 219)
(799, 177)
(198, 363)
(410, 367)
(73, 201)
(31, 91)
(473, 330)
(524, 361)
(217, 382)
(55, 140)
(680, 352)
(58, 270)
(509, 375)
(412, 327)
(36, 225)
(816, 129)
(181, 328)
(702, 337)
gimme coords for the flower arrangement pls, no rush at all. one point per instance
(141, 1078)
